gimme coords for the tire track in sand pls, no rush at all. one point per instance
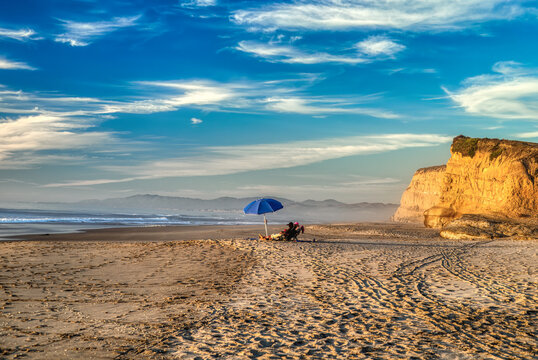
(455, 319)
(343, 311)
(459, 320)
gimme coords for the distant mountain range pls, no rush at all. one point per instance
(226, 207)
(306, 211)
(157, 202)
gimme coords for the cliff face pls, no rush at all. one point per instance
(490, 177)
(422, 193)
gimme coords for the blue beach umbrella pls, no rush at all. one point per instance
(263, 206)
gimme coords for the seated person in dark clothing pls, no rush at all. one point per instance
(289, 232)
(292, 231)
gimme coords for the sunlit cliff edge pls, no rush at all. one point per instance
(422, 193)
(491, 178)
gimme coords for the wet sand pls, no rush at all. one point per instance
(368, 291)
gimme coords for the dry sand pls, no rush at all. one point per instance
(371, 291)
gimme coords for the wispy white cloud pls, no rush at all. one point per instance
(182, 94)
(63, 38)
(26, 160)
(527, 135)
(404, 70)
(373, 48)
(225, 160)
(19, 34)
(283, 96)
(512, 93)
(413, 15)
(334, 187)
(509, 68)
(242, 96)
(83, 33)
(16, 181)
(31, 134)
(187, 93)
(18, 102)
(379, 45)
(196, 121)
(7, 64)
(60, 123)
(199, 3)
(48, 129)
(315, 106)
(292, 55)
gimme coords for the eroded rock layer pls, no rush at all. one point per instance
(482, 227)
(422, 193)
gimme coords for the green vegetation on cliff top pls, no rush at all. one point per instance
(468, 146)
(465, 146)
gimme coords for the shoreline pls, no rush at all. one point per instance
(157, 233)
(185, 232)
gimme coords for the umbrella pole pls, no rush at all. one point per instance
(265, 222)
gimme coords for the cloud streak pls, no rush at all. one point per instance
(6, 64)
(83, 33)
(199, 3)
(60, 123)
(412, 15)
(32, 134)
(240, 96)
(307, 106)
(225, 160)
(187, 93)
(527, 135)
(251, 96)
(371, 49)
(20, 34)
(379, 46)
(292, 55)
(510, 94)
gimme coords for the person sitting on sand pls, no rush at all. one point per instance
(296, 231)
(288, 234)
(299, 229)
(293, 231)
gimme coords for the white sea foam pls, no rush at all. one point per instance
(17, 222)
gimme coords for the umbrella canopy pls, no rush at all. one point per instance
(263, 206)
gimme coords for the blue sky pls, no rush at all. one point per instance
(207, 98)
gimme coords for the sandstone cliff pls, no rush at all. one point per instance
(489, 177)
(422, 193)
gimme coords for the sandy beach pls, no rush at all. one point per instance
(367, 291)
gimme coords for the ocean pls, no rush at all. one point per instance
(23, 222)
